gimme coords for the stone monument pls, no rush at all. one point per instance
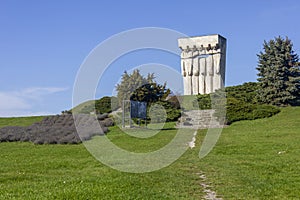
(203, 60)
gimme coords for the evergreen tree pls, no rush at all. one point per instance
(278, 73)
(136, 87)
(129, 83)
(150, 92)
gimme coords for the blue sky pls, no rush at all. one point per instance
(43, 43)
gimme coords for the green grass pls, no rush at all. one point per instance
(245, 164)
(19, 121)
(70, 172)
(79, 108)
(258, 159)
(30, 171)
(155, 140)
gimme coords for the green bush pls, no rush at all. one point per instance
(175, 101)
(246, 92)
(173, 113)
(263, 111)
(241, 103)
(237, 110)
(104, 105)
(161, 111)
(203, 101)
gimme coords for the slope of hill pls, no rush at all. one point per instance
(256, 159)
(19, 121)
(80, 107)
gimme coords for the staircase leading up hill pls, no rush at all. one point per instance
(199, 119)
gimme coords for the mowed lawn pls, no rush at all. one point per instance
(19, 121)
(258, 159)
(252, 160)
(29, 171)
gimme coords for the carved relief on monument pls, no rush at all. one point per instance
(203, 63)
(210, 70)
(195, 77)
(187, 70)
(202, 69)
(217, 83)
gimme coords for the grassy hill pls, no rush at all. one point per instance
(256, 159)
(19, 121)
(105, 104)
(80, 107)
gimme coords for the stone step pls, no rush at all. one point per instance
(198, 119)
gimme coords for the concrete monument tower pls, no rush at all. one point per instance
(203, 60)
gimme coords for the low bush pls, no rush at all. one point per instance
(162, 111)
(237, 110)
(59, 129)
(203, 101)
(175, 101)
(172, 112)
(241, 103)
(263, 111)
(247, 92)
(104, 105)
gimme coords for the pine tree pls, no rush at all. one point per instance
(150, 92)
(278, 73)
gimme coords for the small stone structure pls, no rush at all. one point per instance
(199, 119)
(203, 60)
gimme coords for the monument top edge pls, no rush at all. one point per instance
(202, 36)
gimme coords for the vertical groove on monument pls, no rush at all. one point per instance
(203, 60)
(195, 79)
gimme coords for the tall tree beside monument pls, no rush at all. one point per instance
(278, 73)
(139, 88)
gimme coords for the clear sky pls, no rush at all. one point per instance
(43, 43)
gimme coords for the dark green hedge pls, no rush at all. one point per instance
(104, 105)
(241, 103)
(237, 110)
(165, 111)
